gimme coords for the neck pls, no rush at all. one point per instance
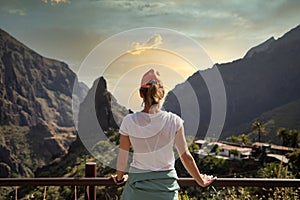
(151, 109)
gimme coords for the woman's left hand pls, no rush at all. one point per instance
(119, 182)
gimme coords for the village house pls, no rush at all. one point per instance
(222, 150)
(226, 150)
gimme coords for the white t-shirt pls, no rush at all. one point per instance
(152, 138)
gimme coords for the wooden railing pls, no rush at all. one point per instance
(91, 181)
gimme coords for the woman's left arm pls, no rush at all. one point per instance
(122, 158)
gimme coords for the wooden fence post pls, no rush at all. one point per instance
(90, 171)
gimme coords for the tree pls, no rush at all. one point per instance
(245, 139)
(215, 149)
(234, 139)
(258, 127)
(290, 138)
(284, 134)
(294, 135)
(294, 162)
(234, 152)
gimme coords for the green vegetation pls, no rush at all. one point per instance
(294, 163)
(247, 168)
(242, 139)
(14, 141)
(290, 138)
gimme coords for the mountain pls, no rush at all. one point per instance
(36, 101)
(36, 120)
(287, 115)
(265, 79)
(98, 113)
(99, 109)
(33, 88)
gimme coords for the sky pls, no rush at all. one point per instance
(69, 30)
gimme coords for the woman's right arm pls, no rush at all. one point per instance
(189, 162)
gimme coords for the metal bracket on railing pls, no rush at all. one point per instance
(45, 193)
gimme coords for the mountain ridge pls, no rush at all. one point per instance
(253, 85)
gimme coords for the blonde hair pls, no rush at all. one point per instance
(153, 94)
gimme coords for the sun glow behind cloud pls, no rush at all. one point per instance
(124, 74)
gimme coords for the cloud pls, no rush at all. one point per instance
(53, 2)
(21, 12)
(136, 5)
(152, 43)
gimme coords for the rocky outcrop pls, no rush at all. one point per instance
(98, 113)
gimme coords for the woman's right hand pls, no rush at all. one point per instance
(207, 180)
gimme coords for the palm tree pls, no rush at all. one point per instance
(284, 134)
(258, 127)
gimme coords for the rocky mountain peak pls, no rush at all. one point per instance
(259, 48)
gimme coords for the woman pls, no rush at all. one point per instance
(153, 134)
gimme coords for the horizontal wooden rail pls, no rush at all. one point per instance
(183, 182)
(245, 182)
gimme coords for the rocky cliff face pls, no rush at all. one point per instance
(266, 78)
(33, 88)
(36, 120)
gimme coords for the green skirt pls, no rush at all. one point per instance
(148, 185)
